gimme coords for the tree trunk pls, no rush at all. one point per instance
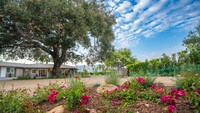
(56, 67)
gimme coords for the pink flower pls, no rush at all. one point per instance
(84, 100)
(52, 96)
(181, 93)
(174, 92)
(197, 90)
(171, 108)
(78, 112)
(141, 80)
(116, 89)
(168, 99)
(153, 86)
(177, 93)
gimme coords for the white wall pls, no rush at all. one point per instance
(19, 72)
(3, 72)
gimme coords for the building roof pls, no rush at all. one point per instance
(20, 65)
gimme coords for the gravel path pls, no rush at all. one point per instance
(32, 84)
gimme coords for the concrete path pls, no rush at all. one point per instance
(32, 84)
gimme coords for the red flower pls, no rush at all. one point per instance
(177, 93)
(76, 77)
(153, 86)
(78, 112)
(141, 80)
(51, 89)
(171, 108)
(84, 100)
(107, 91)
(52, 96)
(168, 99)
(181, 93)
(197, 90)
(84, 89)
(125, 86)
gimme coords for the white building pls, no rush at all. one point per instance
(8, 69)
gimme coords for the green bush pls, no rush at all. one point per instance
(96, 85)
(16, 101)
(75, 92)
(23, 77)
(188, 80)
(113, 78)
(149, 82)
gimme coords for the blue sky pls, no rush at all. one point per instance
(152, 27)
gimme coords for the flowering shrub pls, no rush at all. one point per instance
(76, 90)
(197, 90)
(171, 108)
(16, 101)
(170, 99)
(41, 94)
(141, 80)
(84, 100)
(194, 97)
(52, 96)
(158, 88)
(145, 82)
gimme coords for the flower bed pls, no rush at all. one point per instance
(138, 95)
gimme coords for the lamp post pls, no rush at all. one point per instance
(118, 67)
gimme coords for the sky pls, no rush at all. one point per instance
(150, 28)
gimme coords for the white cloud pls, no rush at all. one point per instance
(156, 7)
(112, 4)
(149, 17)
(138, 31)
(123, 6)
(129, 16)
(141, 5)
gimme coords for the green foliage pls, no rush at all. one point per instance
(124, 55)
(149, 82)
(112, 78)
(194, 98)
(23, 77)
(75, 84)
(73, 98)
(16, 101)
(188, 80)
(75, 92)
(53, 30)
(150, 95)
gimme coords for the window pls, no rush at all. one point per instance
(33, 71)
(10, 70)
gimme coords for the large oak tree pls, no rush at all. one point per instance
(56, 29)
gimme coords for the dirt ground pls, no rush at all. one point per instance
(32, 84)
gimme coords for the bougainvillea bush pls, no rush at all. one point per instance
(190, 82)
(42, 92)
(16, 101)
(137, 95)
